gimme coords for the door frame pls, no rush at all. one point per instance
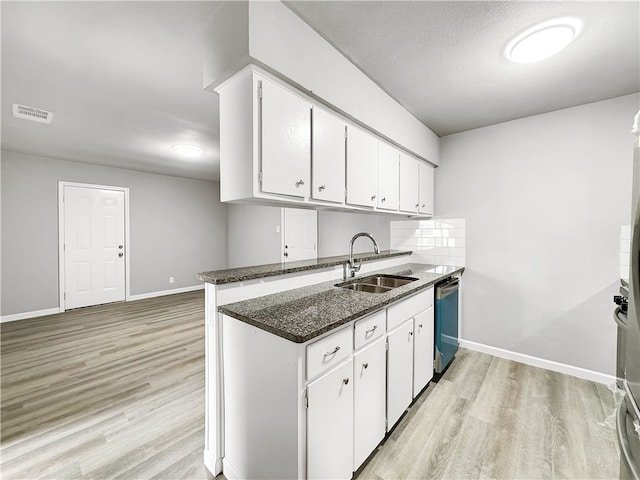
(61, 224)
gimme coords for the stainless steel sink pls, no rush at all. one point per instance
(377, 283)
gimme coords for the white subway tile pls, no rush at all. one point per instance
(457, 252)
(625, 232)
(420, 257)
(404, 224)
(440, 242)
(625, 245)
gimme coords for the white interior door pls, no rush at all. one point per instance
(94, 246)
(299, 234)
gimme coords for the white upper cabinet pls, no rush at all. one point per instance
(408, 184)
(425, 189)
(362, 167)
(328, 157)
(388, 171)
(285, 141)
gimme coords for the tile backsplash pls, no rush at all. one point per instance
(438, 242)
(625, 250)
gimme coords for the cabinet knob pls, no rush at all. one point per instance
(410, 334)
(286, 254)
(383, 199)
(345, 381)
(299, 183)
(365, 365)
(321, 187)
(121, 254)
(420, 325)
(373, 197)
(417, 205)
(423, 205)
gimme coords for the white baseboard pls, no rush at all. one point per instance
(213, 465)
(22, 316)
(161, 293)
(540, 362)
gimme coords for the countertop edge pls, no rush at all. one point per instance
(316, 333)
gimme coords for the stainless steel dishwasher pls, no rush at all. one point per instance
(446, 323)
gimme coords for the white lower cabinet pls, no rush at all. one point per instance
(369, 374)
(422, 350)
(400, 372)
(330, 425)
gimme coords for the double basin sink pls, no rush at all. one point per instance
(376, 283)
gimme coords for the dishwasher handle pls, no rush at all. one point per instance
(447, 288)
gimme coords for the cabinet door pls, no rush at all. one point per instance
(422, 350)
(388, 171)
(285, 141)
(409, 181)
(369, 373)
(330, 425)
(362, 167)
(399, 372)
(328, 158)
(426, 189)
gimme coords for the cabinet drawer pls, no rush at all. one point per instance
(328, 352)
(408, 308)
(369, 328)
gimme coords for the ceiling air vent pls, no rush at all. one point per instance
(32, 113)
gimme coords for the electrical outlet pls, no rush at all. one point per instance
(171, 279)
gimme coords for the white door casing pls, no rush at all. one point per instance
(93, 244)
(299, 234)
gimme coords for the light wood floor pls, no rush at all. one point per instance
(117, 391)
(114, 391)
(493, 418)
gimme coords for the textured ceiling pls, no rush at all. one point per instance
(124, 79)
(443, 61)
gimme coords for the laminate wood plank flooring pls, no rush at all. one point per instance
(113, 391)
(117, 392)
(493, 418)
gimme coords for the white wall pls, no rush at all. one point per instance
(253, 240)
(178, 228)
(544, 198)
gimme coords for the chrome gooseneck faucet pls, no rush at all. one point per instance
(354, 266)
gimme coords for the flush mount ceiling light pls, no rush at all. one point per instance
(543, 40)
(189, 151)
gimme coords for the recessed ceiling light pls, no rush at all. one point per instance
(543, 40)
(190, 151)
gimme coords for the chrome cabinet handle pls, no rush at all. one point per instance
(121, 254)
(120, 247)
(335, 350)
(299, 183)
(423, 205)
(373, 197)
(383, 199)
(420, 325)
(417, 205)
(410, 334)
(371, 330)
(365, 365)
(286, 254)
(346, 381)
(321, 187)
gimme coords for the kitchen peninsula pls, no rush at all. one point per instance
(280, 337)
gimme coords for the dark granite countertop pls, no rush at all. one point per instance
(272, 269)
(302, 314)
